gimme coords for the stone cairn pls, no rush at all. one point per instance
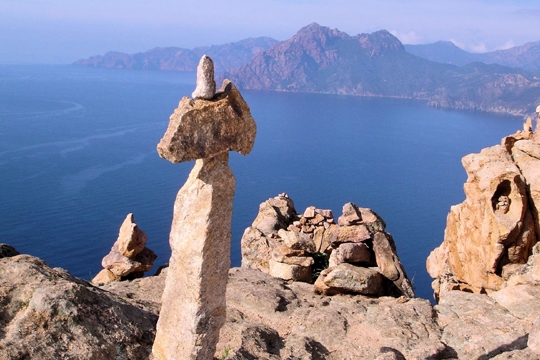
(354, 256)
(204, 129)
(129, 257)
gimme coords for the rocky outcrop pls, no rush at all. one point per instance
(354, 255)
(46, 313)
(490, 236)
(204, 129)
(129, 257)
(7, 251)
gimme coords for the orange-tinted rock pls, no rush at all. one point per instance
(495, 226)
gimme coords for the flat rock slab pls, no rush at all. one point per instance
(201, 129)
(477, 327)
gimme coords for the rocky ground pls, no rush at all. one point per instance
(48, 314)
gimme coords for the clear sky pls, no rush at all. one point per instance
(62, 31)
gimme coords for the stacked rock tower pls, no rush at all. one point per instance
(203, 128)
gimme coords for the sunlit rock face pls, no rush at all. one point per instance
(354, 256)
(204, 129)
(493, 231)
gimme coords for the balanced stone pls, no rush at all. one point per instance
(206, 86)
(202, 129)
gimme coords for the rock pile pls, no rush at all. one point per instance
(129, 257)
(491, 235)
(354, 255)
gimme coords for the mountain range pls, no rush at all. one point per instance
(526, 56)
(323, 60)
(225, 56)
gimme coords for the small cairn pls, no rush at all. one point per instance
(129, 257)
(354, 256)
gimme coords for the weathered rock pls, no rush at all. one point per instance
(476, 327)
(201, 129)
(521, 301)
(353, 233)
(105, 277)
(533, 341)
(123, 266)
(7, 251)
(294, 272)
(131, 240)
(350, 215)
(206, 86)
(128, 258)
(286, 319)
(310, 212)
(297, 241)
(274, 214)
(194, 296)
(346, 278)
(492, 228)
(526, 154)
(389, 263)
(257, 249)
(48, 314)
(354, 253)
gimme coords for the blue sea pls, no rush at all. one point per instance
(77, 154)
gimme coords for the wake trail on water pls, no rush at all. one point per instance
(67, 146)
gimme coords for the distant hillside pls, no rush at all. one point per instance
(445, 52)
(320, 59)
(526, 56)
(178, 59)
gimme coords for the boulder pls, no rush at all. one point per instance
(131, 240)
(294, 272)
(350, 215)
(201, 129)
(347, 278)
(48, 314)
(354, 253)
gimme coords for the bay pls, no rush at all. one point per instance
(77, 153)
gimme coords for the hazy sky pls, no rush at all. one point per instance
(62, 31)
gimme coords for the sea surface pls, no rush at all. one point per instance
(77, 154)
